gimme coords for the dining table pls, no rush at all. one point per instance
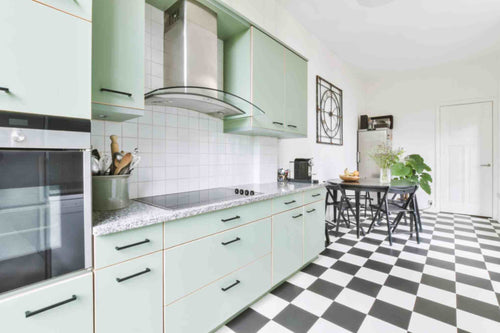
(366, 185)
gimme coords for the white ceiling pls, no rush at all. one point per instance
(402, 34)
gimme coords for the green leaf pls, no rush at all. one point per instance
(400, 170)
(427, 168)
(426, 177)
(425, 186)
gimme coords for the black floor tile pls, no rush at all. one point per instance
(287, 291)
(492, 260)
(415, 250)
(436, 310)
(295, 319)
(360, 252)
(410, 265)
(474, 281)
(388, 251)
(378, 266)
(440, 263)
(442, 249)
(332, 253)
(364, 286)
(402, 284)
(249, 321)
(344, 317)
(348, 242)
(438, 282)
(345, 267)
(314, 269)
(390, 313)
(468, 248)
(478, 308)
(325, 288)
(470, 262)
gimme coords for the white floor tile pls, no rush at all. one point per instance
(440, 272)
(274, 327)
(372, 275)
(270, 305)
(375, 325)
(476, 324)
(465, 269)
(469, 255)
(413, 257)
(325, 261)
(339, 247)
(437, 295)
(312, 302)
(355, 300)
(397, 297)
(302, 279)
(441, 256)
(337, 277)
(479, 294)
(224, 329)
(354, 259)
(324, 326)
(423, 324)
(493, 267)
(384, 258)
(408, 274)
(366, 246)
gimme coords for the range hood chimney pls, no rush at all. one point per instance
(190, 64)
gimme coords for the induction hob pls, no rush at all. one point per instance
(193, 199)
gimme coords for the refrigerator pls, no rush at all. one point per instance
(367, 141)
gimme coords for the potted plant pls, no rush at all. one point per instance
(414, 169)
(385, 157)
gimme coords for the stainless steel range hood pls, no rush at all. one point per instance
(190, 65)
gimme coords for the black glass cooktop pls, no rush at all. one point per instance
(195, 198)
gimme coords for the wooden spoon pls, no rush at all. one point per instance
(125, 161)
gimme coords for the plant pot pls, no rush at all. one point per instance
(385, 175)
(110, 192)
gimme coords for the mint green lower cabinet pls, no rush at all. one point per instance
(314, 230)
(134, 304)
(75, 316)
(287, 243)
(211, 306)
(314, 195)
(190, 266)
(287, 202)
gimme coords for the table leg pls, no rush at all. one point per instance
(357, 212)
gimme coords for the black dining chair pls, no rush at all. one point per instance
(340, 207)
(400, 208)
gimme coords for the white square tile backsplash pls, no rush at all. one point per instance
(182, 150)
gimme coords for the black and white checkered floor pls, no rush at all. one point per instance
(450, 282)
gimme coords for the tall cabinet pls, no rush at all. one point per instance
(45, 58)
(272, 77)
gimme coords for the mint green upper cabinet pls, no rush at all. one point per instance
(75, 316)
(287, 234)
(295, 93)
(45, 61)
(268, 84)
(118, 59)
(81, 8)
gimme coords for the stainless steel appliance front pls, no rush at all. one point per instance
(45, 198)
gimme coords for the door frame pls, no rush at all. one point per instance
(495, 146)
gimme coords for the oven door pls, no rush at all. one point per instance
(45, 215)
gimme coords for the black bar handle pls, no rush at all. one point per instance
(117, 92)
(316, 195)
(297, 216)
(229, 287)
(312, 210)
(119, 248)
(290, 202)
(232, 241)
(292, 126)
(147, 270)
(277, 123)
(230, 219)
(4, 89)
(32, 313)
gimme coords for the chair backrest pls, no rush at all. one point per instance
(404, 190)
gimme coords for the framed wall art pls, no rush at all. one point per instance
(329, 113)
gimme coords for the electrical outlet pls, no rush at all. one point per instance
(429, 202)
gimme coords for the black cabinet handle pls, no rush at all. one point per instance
(316, 195)
(229, 287)
(230, 219)
(292, 126)
(312, 210)
(118, 248)
(231, 241)
(5, 89)
(290, 202)
(277, 123)
(297, 216)
(117, 92)
(32, 313)
(147, 270)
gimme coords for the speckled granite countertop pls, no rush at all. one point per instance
(140, 215)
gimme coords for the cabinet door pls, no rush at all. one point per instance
(118, 53)
(128, 296)
(295, 93)
(314, 230)
(47, 69)
(287, 243)
(66, 305)
(268, 80)
(81, 9)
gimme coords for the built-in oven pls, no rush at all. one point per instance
(45, 200)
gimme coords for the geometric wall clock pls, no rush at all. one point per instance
(329, 116)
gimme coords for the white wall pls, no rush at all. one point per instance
(413, 98)
(329, 160)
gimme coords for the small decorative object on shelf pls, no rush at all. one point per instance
(110, 173)
(386, 157)
(329, 113)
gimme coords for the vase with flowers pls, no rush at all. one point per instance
(385, 157)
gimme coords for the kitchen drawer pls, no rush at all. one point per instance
(185, 230)
(195, 264)
(81, 8)
(73, 314)
(287, 243)
(314, 230)
(287, 202)
(314, 195)
(114, 248)
(211, 306)
(134, 304)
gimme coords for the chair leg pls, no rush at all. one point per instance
(388, 221)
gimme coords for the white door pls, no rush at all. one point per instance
(466, 158)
